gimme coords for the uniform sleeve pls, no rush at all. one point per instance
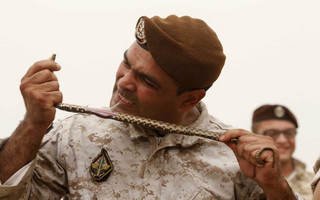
(44, 177)
(18, 176)
(18, 185)
(248, 189)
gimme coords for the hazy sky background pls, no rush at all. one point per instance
(272, 50)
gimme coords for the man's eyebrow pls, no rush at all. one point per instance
(125, 57)
(153, 80)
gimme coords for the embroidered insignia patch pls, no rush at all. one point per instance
(279, 111)
(140, 33)
(101, 166)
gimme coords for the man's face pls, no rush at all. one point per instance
(142, 88)
(284, 142)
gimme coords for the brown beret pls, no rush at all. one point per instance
(186, 48)
(280, 112)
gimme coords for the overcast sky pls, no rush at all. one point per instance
(272, 50)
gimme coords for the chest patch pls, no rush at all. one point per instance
(101, 166)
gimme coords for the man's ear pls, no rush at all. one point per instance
(191, 98)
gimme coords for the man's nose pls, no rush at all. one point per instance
(281, 138)
(127, 81)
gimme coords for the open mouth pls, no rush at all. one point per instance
(123, 100)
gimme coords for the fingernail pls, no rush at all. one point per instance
(59, 67)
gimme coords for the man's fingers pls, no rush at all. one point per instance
(51, 86)
(55, 96)
(248, 146)
(266, 155)
(246, 150)
(40, 77)
(233, 134)
(41, 65)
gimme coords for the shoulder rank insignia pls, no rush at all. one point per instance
(101, 166)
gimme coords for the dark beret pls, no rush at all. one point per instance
(266, 112)
(186, 48)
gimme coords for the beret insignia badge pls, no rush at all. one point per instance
(140, 34)
(279, 111)
(101, 166)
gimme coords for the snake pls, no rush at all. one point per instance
(142, 121)
(260, 151)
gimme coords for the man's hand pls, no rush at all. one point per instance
(40, 91)
(252, 148)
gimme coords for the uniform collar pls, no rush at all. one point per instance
(298, 164)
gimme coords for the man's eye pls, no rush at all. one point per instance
(270, 133)
(290, 132)
(147, 82)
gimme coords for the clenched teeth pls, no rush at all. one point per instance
(125, 100)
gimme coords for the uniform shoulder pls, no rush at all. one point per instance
(219, 124)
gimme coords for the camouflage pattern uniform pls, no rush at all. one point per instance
(317, 176)
(146, 166)
(300, 180)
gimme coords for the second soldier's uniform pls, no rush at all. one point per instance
(317, 172)
(300, 179)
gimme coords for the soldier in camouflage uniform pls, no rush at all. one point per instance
(278, 122)
(164, 75)
(314, 185)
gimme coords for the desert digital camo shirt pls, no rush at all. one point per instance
(300, 180)
(145, 166)
(316, 178)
